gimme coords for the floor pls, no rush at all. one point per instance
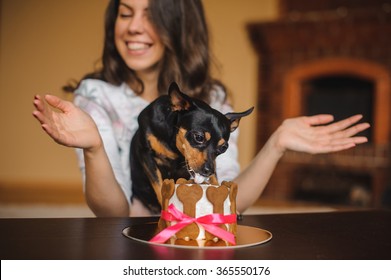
(81, 210)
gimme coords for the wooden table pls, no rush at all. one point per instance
(333, 235)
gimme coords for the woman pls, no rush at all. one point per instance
(148, 44)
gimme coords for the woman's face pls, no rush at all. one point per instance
(135, 37)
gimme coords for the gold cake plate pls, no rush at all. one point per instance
(246, 236)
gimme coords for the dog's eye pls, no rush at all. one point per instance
(222, 149)
(198, 137)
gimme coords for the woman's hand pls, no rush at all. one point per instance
(302, 134)
(67, 124)
(313, 135)
(70, 126)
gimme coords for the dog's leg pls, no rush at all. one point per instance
(155, 178)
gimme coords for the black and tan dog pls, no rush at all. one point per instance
(178, 137)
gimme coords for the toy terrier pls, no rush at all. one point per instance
(178, 137)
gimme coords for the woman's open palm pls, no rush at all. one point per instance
(66, 123)
(315, 135)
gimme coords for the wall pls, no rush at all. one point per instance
(239, 66)
(45, 43)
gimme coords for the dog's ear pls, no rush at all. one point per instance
(179, 100)
(234, 118)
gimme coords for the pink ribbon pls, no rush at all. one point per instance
(209, 222)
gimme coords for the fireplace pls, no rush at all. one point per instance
(327, 57)
(333, 94)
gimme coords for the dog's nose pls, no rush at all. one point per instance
(207, 170)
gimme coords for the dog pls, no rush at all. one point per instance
(178, 137)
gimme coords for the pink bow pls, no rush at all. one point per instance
(209, 223)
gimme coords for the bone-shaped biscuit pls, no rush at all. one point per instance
(217, 243)
(184, 242)
(189, 196)
(233, 191)
(217, 196)
(168, 188)
(182, 181)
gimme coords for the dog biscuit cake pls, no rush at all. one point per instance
(194, 208)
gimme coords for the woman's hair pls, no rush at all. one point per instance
(182, 28)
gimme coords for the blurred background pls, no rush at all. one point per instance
(285, 57)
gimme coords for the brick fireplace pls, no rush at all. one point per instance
(328, 56)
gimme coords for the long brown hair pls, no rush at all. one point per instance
(183, 30)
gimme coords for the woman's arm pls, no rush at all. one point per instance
(70, 126)
(103, 194)
(302, 134)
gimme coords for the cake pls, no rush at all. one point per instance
(204, 202)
